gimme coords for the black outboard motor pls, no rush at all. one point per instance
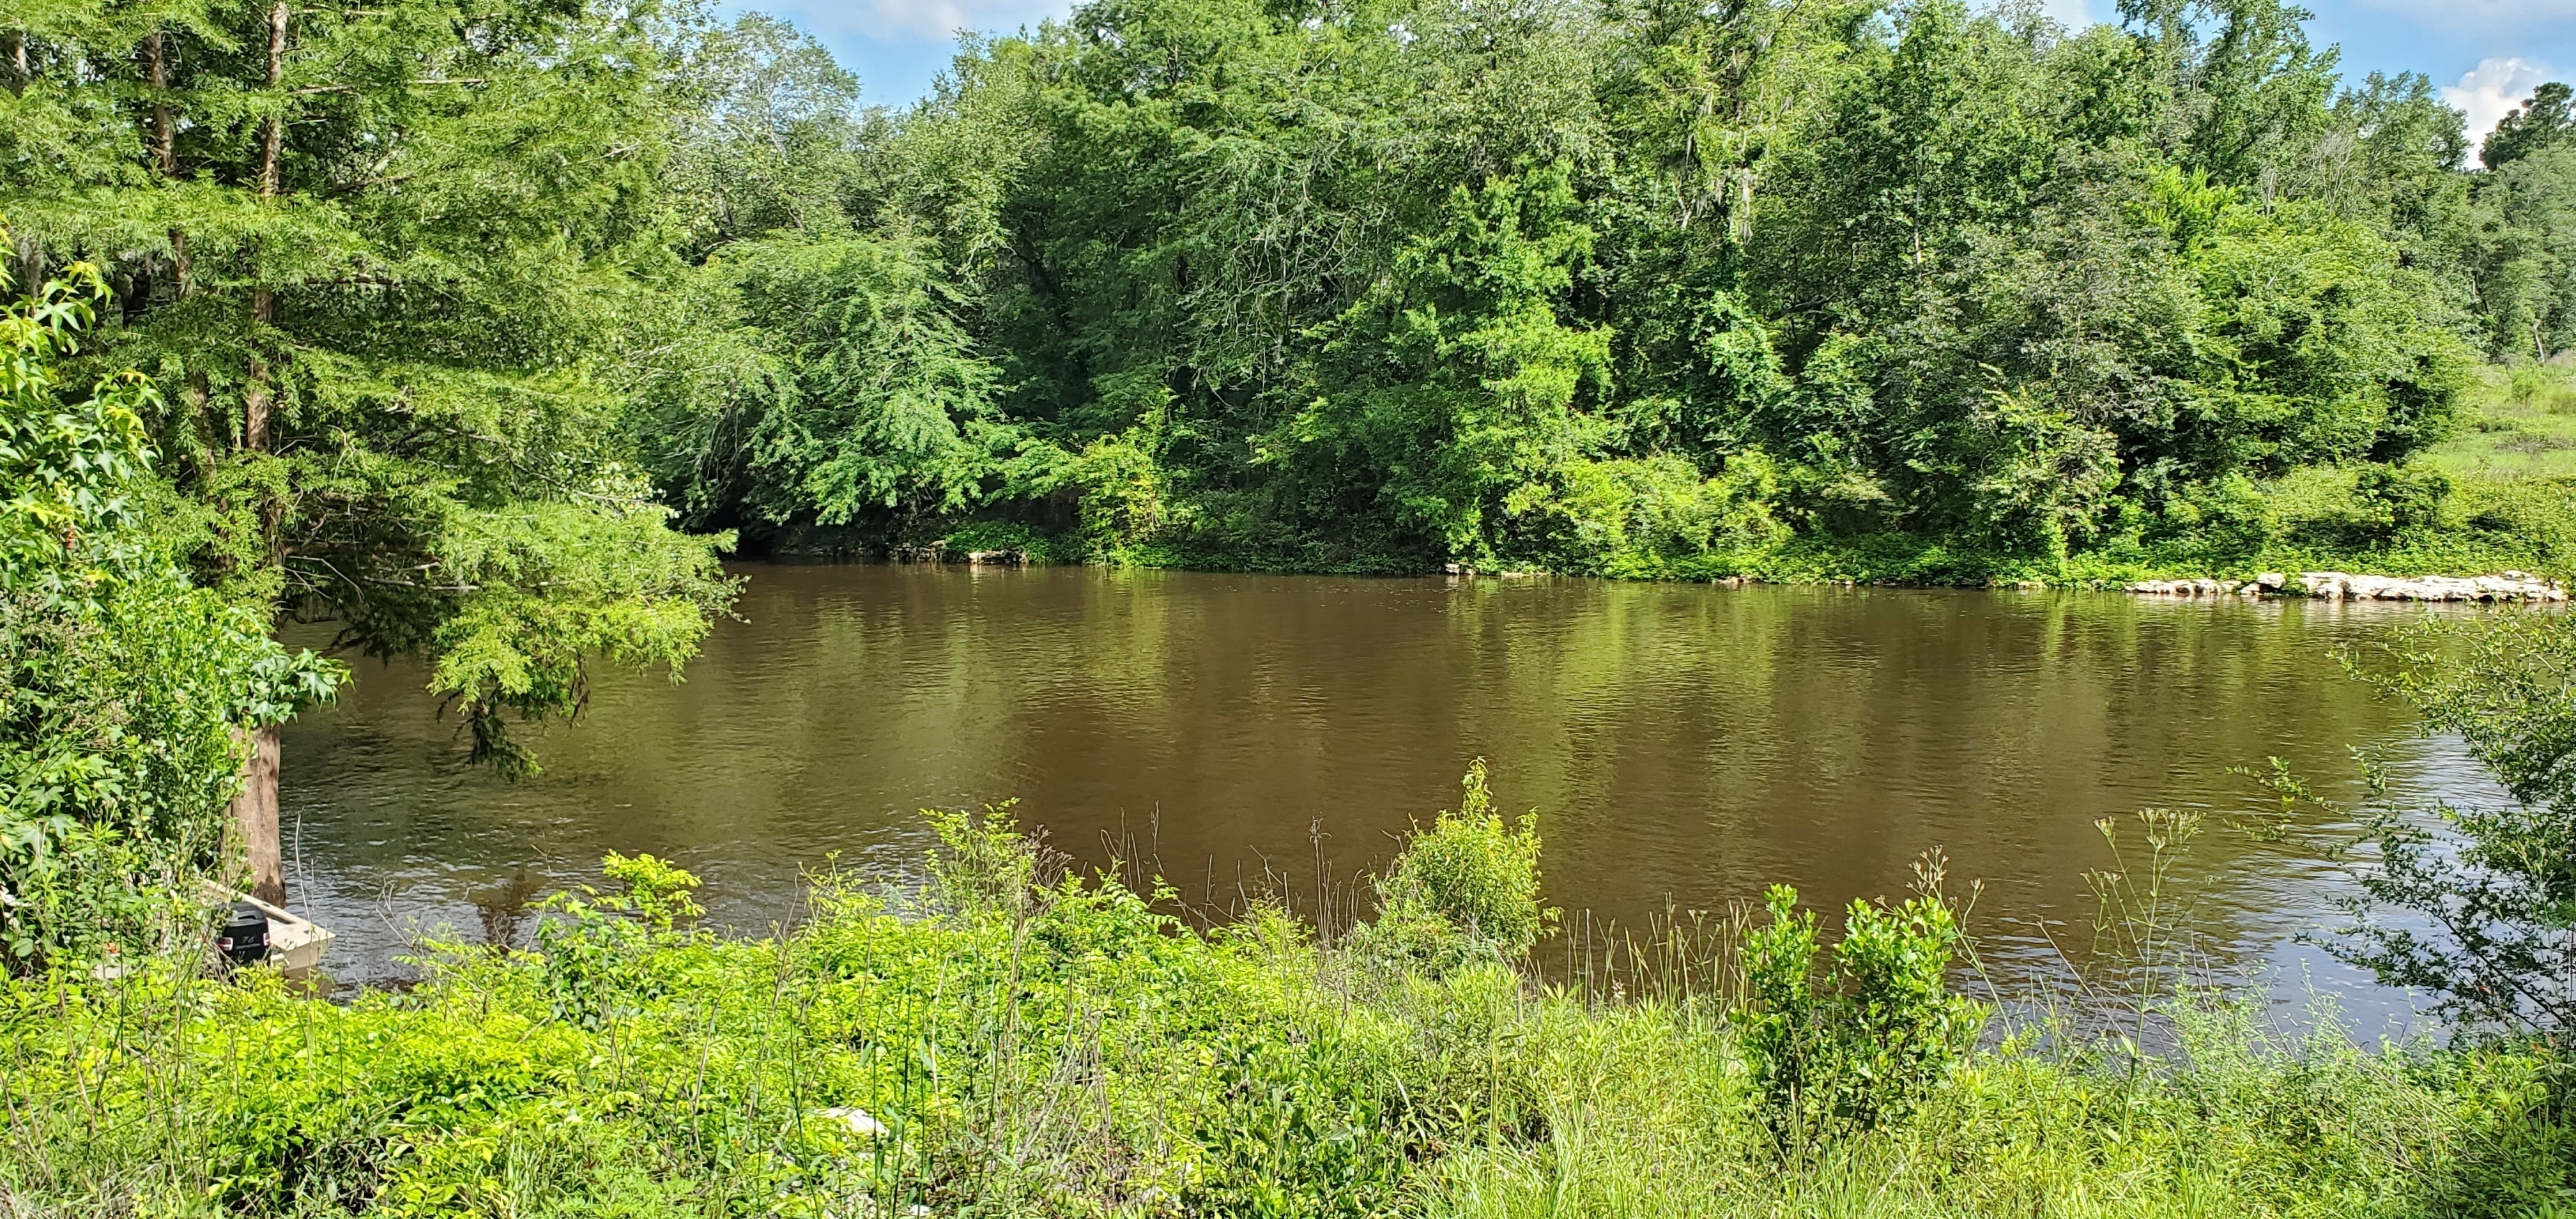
(244, 937)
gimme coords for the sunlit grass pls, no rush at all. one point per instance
(2521, 424)
(1057, 1048)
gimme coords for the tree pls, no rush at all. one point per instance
(1354, 286)
(1369, 286)
(768, 140)
(2544, 120)
(373, 256)
(803, 370)
(844, 387)
(2485, 898)
(2521, 264)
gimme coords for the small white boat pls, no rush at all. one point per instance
(295, 945)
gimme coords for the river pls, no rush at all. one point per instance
(1684, 746)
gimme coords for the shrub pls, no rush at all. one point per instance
(984, 864)
(590, 953)
(1301, 1128)
(1464, 890)
(2396, 499)
(1862, 1045)
(1655, 517)
(1127, 498)
(2540, 387)
(123, 686)
(1102, 1059)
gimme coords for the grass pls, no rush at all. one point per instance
(1035, 1044)
(2522, 425)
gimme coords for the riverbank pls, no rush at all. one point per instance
(2476, 525)
(2503, 588)
(1015, 1042)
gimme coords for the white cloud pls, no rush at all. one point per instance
(900, 20)
(2494, 87)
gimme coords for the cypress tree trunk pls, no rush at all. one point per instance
(263, 302)
(254, 811)
(165, 139)
(254, 848)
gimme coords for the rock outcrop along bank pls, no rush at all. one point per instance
(2340, 586)
(938, 552)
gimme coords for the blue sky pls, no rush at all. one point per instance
(2487, 54)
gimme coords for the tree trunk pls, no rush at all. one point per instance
(263, 302)
(31, 265)
(277, 115)
(165, 155)
(254, 819)
(165, 138)
(253, 851)
(255, 399)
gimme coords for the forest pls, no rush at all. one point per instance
(482, 333)
(1905, 292)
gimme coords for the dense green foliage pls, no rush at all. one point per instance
(372, 258)
(1465, 890)
(1880, 1033)
(123, 686)
(2544, 121)
(447, 302)
(1890, 291)
(1013, 1041)
(432, 318)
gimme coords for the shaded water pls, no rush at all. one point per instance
(1684, 744)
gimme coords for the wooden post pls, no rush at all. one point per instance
(254, 847)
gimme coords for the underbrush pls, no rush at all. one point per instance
(1014, 1040)
(2523, 423)
(2415, 521)
(2361, 519)
(2498, 496)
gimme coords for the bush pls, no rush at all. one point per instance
(1862, 1045)
(1091, 1056)
(593, 951)
(1464, 890)
(984, 865)
(2540, 387)
(123, 686)
(1655, 517)
(2397, 499)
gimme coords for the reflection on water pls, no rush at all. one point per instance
(1684, 744)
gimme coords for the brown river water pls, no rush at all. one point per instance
(1684, 746)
